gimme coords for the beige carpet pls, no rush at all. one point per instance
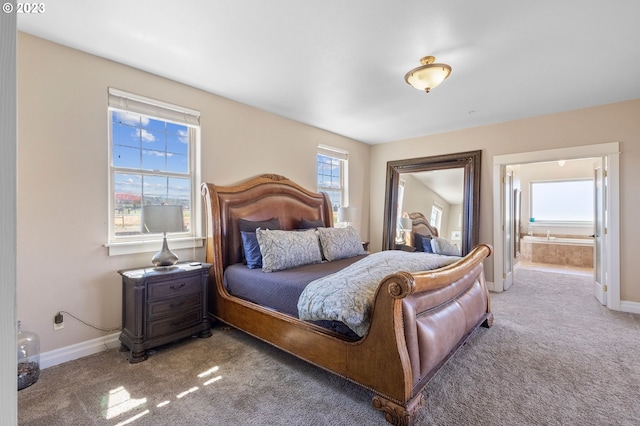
(553, 357)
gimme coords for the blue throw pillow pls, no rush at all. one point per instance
(251, 250)
(423, 243)
(311, 224)
(250, 247)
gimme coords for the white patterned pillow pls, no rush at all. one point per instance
(339, 243)
(442, 246)
(287, 249)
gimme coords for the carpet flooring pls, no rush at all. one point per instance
(553, 357)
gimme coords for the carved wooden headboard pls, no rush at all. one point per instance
(420, 225)
(260, 198)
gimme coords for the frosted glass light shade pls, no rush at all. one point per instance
(429, 75)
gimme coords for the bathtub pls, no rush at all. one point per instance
(560, 240)
(557, 250)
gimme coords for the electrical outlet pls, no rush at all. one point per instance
(58, 322)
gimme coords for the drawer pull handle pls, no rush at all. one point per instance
(173, 287)
(178, 322)
(175, 305)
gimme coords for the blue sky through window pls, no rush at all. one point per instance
(150, 157)
(144, 143)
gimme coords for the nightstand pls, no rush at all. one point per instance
(161, 305)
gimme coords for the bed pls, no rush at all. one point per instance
(416, 321)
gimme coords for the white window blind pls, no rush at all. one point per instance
(153, 108)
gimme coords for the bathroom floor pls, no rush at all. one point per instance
(563, 269)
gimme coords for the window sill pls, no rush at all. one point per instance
(132, 247)
(557, 223)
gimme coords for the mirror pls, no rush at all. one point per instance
(466, 164)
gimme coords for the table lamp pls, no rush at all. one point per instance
(163, 218)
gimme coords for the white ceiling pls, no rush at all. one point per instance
(447, 183)
(339, 65)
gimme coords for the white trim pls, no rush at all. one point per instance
(609, 150)
(79, 350)
(631, 307)
(140, 243)
(613, 231)
(596, 150)
(131, 247)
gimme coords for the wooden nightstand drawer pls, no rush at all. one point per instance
(175, 287)
(174, 323)
(174, 305)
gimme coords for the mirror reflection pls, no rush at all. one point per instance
(441, 190)
(439, 196)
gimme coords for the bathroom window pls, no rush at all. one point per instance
(563, 201)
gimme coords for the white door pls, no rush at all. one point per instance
(507, 227)
(600, 232)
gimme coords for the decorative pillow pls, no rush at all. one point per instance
(287, 249)
(423, 243)
(250, 248)
(252, 225)
(311, 224)
(442, 246)
(339, 243)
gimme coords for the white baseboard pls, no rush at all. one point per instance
(632, 307)
(491, 286)
(79, 350)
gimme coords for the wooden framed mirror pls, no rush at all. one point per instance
(468, 166)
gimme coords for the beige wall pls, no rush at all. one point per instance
(608, 123)
(62, 178)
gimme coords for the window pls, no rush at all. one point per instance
(563, 201)
(332, 172)
(154, 159)
(436, 216)
(401, 185)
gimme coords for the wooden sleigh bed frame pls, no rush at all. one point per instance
(418, 320)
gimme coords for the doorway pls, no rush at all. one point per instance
(609, 250)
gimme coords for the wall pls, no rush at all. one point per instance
(601, 124)
(62, 263)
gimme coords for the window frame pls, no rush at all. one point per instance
(439, 212)
(343, 157)
(158, 110)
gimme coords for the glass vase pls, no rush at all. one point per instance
(28, 358)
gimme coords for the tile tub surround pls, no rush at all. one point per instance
(557, 252)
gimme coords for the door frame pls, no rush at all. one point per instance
(609, 150)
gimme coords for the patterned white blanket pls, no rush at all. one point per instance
(347, 295)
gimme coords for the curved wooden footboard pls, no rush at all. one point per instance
(399, 355)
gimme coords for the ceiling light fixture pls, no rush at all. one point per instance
(429, 75)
